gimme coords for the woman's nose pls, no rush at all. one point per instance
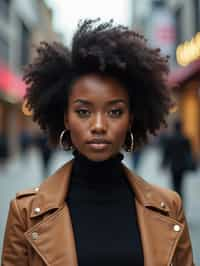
(99, 124)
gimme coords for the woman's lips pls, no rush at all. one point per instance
(99, 146)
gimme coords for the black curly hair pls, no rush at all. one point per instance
(104, 49)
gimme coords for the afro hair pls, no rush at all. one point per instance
(101, 48)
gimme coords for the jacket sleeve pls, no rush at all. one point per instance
(183, 255)
(14, 246)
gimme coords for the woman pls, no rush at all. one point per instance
(104, 94)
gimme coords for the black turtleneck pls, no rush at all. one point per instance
(103, 213)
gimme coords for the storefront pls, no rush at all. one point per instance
(186, 83)
(12, 90)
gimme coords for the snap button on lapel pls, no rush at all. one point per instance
(35, 235)
(36, 189)
(37, 210)
(162, 204)
(177, 228)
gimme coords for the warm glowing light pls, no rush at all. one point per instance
(173, 109)
(188, 51)
(26, 109)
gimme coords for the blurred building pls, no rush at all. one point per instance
(140, 11)
(156, 20)
(187, 15)
(22, 25)
(166, 24)
(186, 80)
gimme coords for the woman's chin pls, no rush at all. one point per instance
(98, 156)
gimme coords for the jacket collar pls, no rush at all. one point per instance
(53, 191)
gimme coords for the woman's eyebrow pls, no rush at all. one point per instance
(116, 101)
(83, 101)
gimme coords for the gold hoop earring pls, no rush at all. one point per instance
(64, 145)
(131, 147)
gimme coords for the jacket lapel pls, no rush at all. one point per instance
(159, 239)
(55, 241)
(53, 238)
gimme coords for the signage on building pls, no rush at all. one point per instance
(11, 84)
(162, 30)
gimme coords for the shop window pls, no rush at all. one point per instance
(25, 42)
(179, 25)
(4, 8)
(197, 15)
(4, 49)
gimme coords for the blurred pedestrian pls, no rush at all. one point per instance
(41, 142)
(136, 157)
(25, 141)
(3, 149)
(177, 155)
(100, 96)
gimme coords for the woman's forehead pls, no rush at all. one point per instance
(93, 85)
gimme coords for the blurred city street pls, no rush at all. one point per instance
(27, 172)
(43, 53)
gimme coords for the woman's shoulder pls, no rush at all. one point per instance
(20, 207)
(23, 199)
(29, 201)
(170, 196)
(160, 198)
(27, 193)
(166, 197)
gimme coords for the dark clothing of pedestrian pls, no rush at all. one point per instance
(25, 141)
(41, 143)
(136, 156)
(3, 148)
(177, 156)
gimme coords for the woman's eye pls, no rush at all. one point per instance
(83, 112)
(116, 112)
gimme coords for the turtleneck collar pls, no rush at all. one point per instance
(97, 172)
(93, 181)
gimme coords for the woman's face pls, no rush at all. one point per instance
(98, 116)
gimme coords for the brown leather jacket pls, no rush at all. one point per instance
(39, 230)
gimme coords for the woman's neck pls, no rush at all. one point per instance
(98, 172)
